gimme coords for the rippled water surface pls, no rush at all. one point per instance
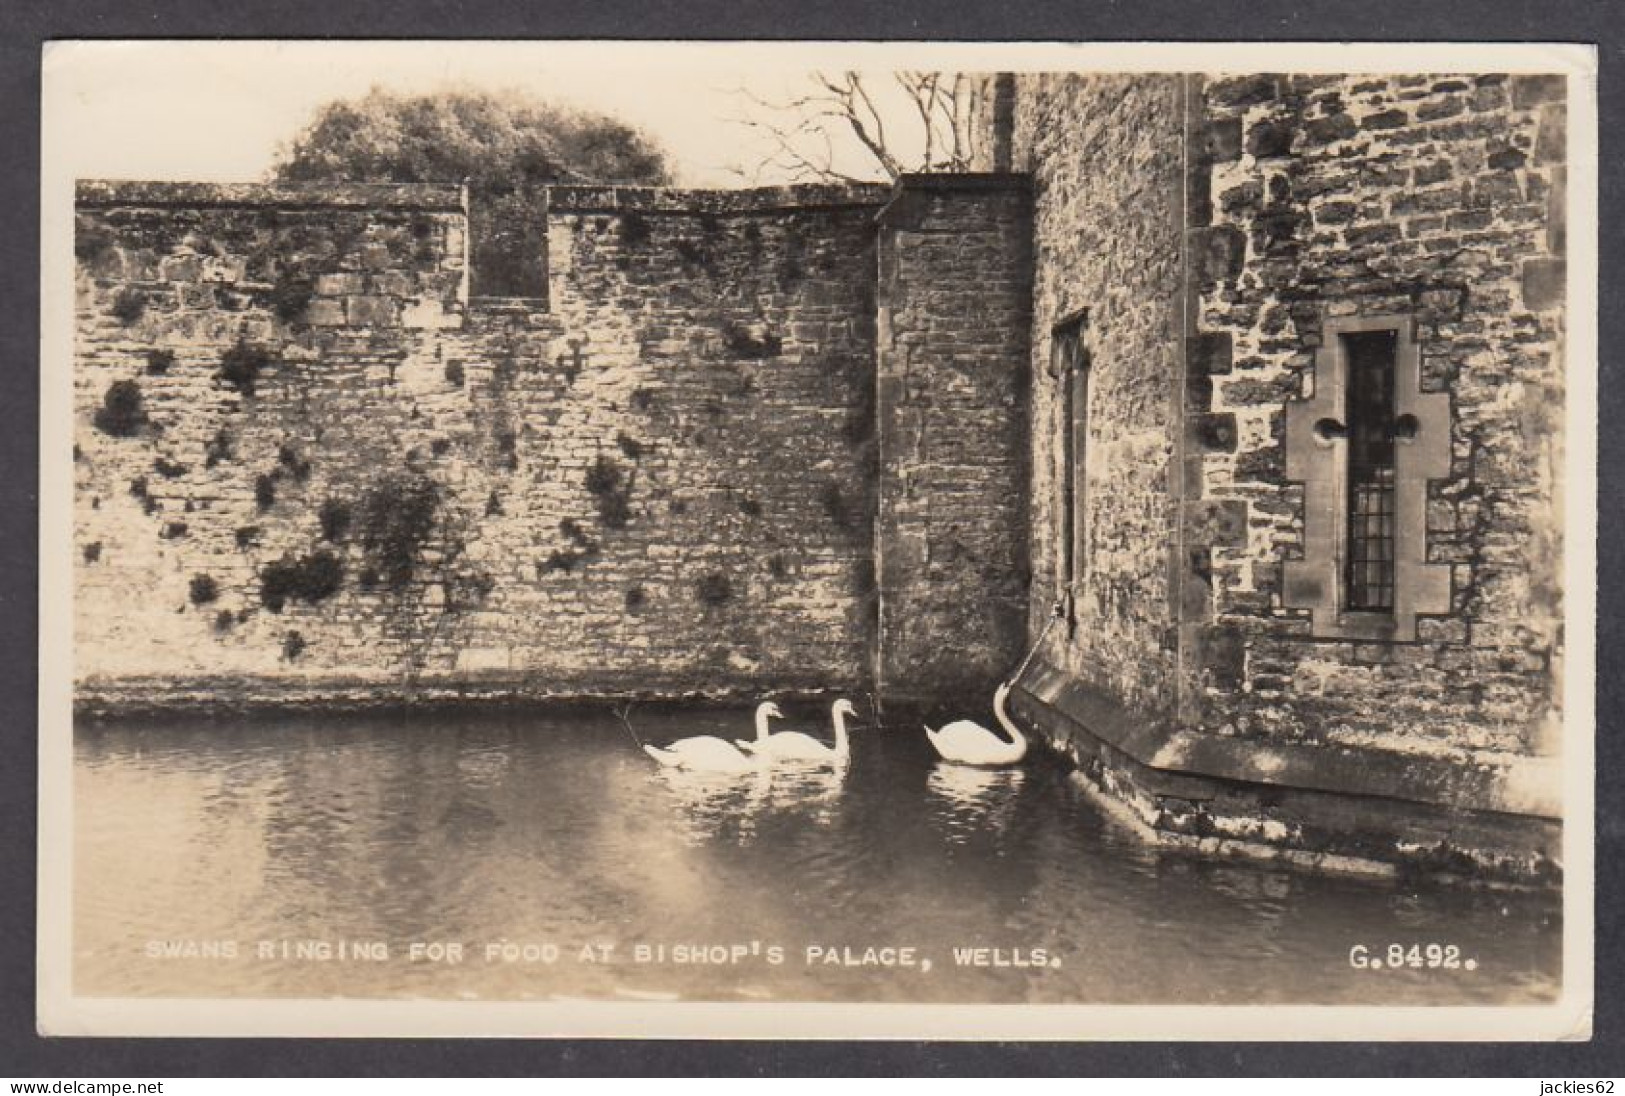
(252, 848)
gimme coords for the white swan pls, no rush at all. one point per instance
(970, 743)
(710, 753)
(795, 746)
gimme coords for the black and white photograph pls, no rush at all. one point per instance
(818, 540)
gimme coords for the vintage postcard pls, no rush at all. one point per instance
(818, 540)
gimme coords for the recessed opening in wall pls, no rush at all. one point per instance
(507, 231)
(1364, 445)
(1069, 364)
(1371, 429)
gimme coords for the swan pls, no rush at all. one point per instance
(795, 746)
(970, 743)
(710, 753)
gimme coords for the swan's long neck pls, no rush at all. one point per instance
(761, 722)
(1003, 716)
(843, 746)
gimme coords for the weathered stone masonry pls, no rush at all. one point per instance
(1219, 238)
(954, 308)
(341, 477)
(866, 438)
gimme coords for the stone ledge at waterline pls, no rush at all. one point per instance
(215, 695)
(1337, 807)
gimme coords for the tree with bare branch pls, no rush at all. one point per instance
(855, 127)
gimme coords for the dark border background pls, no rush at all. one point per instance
(29, 23)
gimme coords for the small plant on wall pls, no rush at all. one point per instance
(634, 229)
(121, 414)
(264, 491)
(714, 589)
(241, 366)
(611, 489)
(169, 469)
(311, 579)
(128, 305)
(291, 295)
(91, 242)
(335, 516)
(218, 448)
(203, 589)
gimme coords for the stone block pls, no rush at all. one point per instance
(430, 314)
(1219, 252)
(1196, 588)
(1334, 127)
(1216, 523)
(1551, 137)
(1209, 352)
(180, 268)
(1214, 433)
(1262, 391)
(1439, 109)
(1223, 656)
(1531, 91)
(1385, 120)
(1198, 392)
(392, 283)
(1557, 212)
(375, 256)
(1221, 140)
(370, 311)
(1243, 197)
(1269, 140)
(325, 312)
(1543, 284)
(1302, 587)
(339, 285)
(1243, 91)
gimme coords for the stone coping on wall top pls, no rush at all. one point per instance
(912, 189)
(964, 180)
(1508, 784)
(437, 197)
(626, 199)
(447, 197)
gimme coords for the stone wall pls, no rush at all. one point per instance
(1211, 237)
(1437, 199)
(1104, 154)
(308, 464)
(954, 315)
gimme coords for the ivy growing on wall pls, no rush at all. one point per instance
(310, 578)
(394, 521)
(611, 489)
(334, 515)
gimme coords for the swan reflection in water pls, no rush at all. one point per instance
(712, 805)
(809, 788)
(720, 805)
(978, 801)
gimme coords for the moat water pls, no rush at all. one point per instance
(347, 856)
